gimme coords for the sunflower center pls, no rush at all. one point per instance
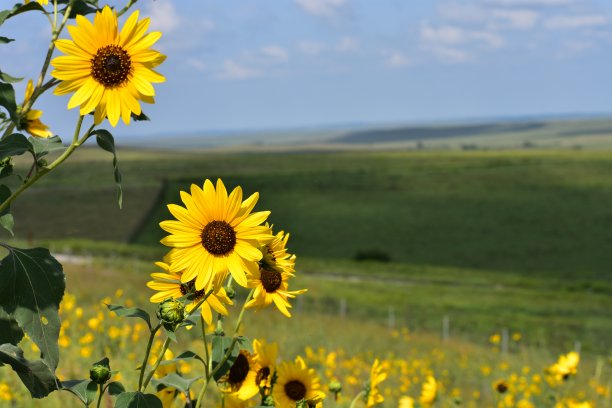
(270, 279)
(262, 375)
(218, 238)
(296, 390)
(239, 370)
(111, 66)
(189, 287)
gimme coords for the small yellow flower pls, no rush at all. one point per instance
(429, 391)
(378, 374)
(406, 402)
(6, 394)
(31, 122)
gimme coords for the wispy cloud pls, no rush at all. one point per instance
(529, 3)
(232, 70)
(163, 15)
(321, 8)
(577, 21)
(275, 53)
(454, 35)
(312, 48)
(347, 44)
(397, 59)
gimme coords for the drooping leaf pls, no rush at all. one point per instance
(80, 7)
(10, 332)
(184, 356)
(115, 388)
(140, 118)
(174, 380)
(43, 146)
(123, 311)
(35, 375)
(6, 40)
(220, 346)
(137, 400)
(107, 142)
(32, 285)
(7, 100)
(14, 145)
(6, 218)
(9, 78)
(85, 390)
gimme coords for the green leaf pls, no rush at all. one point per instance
(115, 388)
(7, 100)
(140, 118)
(10, 332)
(32, 288)
(6, 218)
(137, 400)
(174, 380)
(107, 142)
(123, 311)
(220, 346)
(8, 78)
(35, 375)
(43, 146)
(80, 7)
(85, 390)
(14, 145)
(184, 356)
(6, 40)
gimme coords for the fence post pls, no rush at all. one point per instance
(504, 341)
(445, 328)
(342, 308)
(391, 318)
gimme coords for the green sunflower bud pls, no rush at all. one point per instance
(230, 291)
(100, 372)
(335, 387)
(171, 313)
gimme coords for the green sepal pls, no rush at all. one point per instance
(7, 100)
(123, 311)
(174, 380)
(14, 145)
(33, 285)
(137, 400)
(107, 142)
(6, 218)
(115, 388)
(35, 375)
(43, 146)
(85, 390)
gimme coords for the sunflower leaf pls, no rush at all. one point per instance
(80, 7)
(7, 100)
(9, 78)
(220, 347)
(10, 332)
(137, 400)
(123, 311)
(18, 9)
(176, 381)
(85, 390)
(43, 146)
(116, 388)
(32, 288)
(6, 218)
(107, 142)
(35, 375)
(6, 40)
(185, 355)
(14, 145)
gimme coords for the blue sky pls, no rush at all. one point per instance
(258, 64)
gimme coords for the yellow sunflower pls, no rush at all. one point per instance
(566, 366)
(271, 278)
(406, 402)
(428, 391)
(169, 285)
(377, 375)
(108, 70)
(31, 122)
(41, 2)
(240, 379)
(215, 235)
(265, 355)
(296, 382)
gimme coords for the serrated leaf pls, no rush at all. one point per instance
(14, 145)
(137, 400)
(32, 288)
(43, 146)
(9, 78)
(123, 311)
(115, 388)
(10, 332)
(7, 100)
(85, 390)
(6, 218)
(35, 375)
(107, 142)
(174, 380)
(220, 346)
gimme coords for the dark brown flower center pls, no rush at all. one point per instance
(189, 287)
(295, 390)
(262, 375)
(501, 387)
(111, 66)
(271, 280)
(239, 370)
(218, 238)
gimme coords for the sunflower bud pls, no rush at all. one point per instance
(230, 292)
(100, 372)
(171, 313)
(335, 387)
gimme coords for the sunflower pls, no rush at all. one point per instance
(265, 355)
(296, 382)
(41, 2)
(169, 285)
(31, 121)
(240, 379)
(108, 70)
(428, 391)
(215, 235)
(406, 402)
(566, 366)
(377, 376)
(271, 278)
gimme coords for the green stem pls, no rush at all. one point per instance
(357, 398)
(126, 8)
(160, 357)
(145, 360)
(100, 394)
(228, 353)
(76, 142)
(208, 363)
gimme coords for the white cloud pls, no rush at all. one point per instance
(233, 71)
(578, 46)
(197, 64)
(454, 35)
(522, 3)
(163, 15)
(518, 19)
(347, 44)
(275, 53)
(321, 8)
(311, 47)
(569, 22)
(451, 55)
(397, 59)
